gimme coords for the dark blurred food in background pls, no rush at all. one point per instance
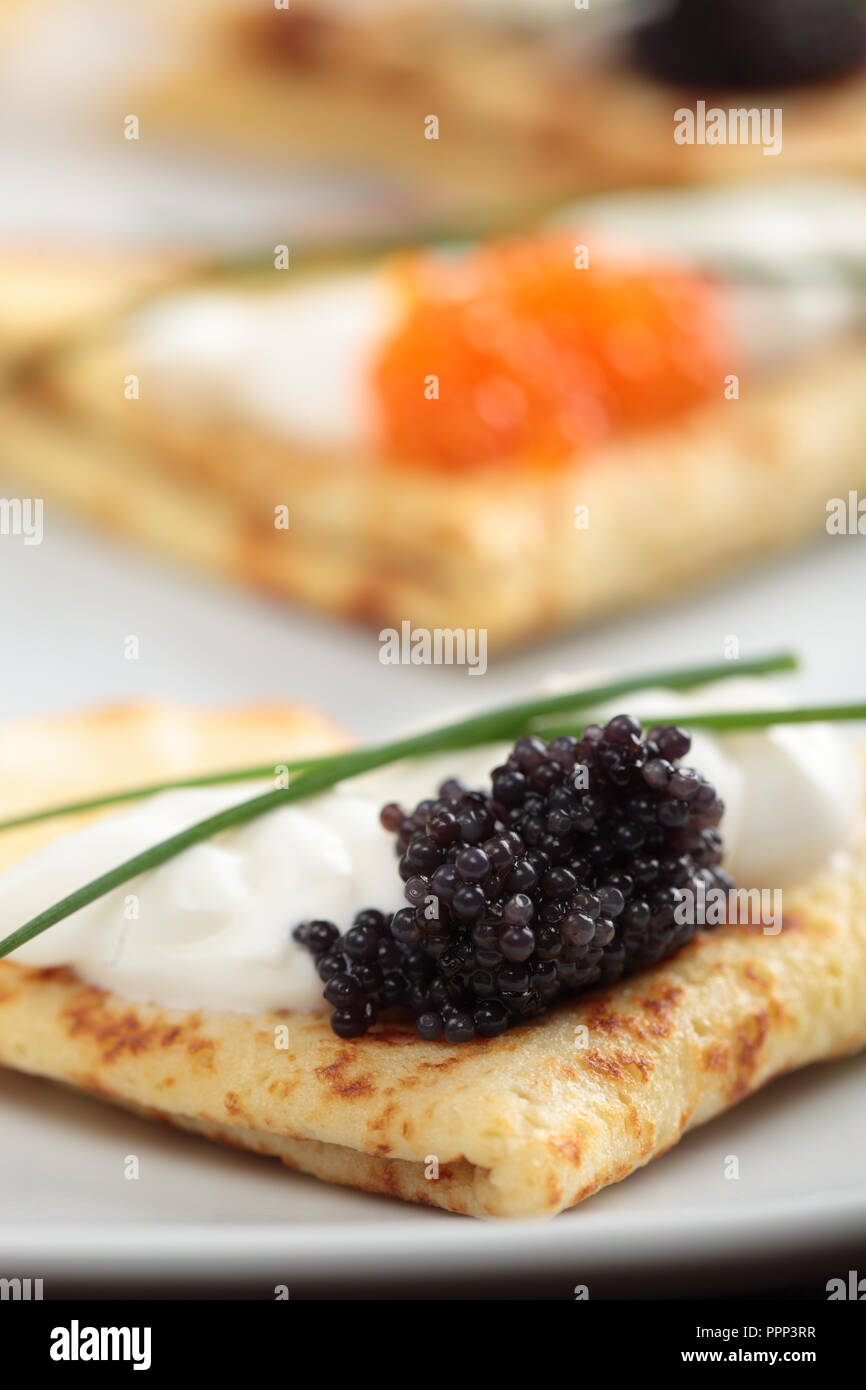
(748, 44)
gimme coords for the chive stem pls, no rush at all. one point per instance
(212, 779)
(148, 859)
(508, 722)
(725, 721)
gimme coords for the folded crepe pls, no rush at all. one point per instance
(523, 1125)
(533, 101)
(514, 546)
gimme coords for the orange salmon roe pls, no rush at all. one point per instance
(536, 359)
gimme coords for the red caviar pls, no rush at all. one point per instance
(536, 359)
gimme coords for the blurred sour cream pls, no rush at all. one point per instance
(784, 248)
(212, 927)
(295, 364)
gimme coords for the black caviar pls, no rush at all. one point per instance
(564, 877)
(753, 43)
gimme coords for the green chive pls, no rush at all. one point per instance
(508, 722)
(139, 863)
(728, 721)
(213, 779)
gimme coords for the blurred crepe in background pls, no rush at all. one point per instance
(479, 104)
(70, 73)
(315, 117)
(602, 394)
(154, 258)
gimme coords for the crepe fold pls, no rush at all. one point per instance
(523, 1125)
